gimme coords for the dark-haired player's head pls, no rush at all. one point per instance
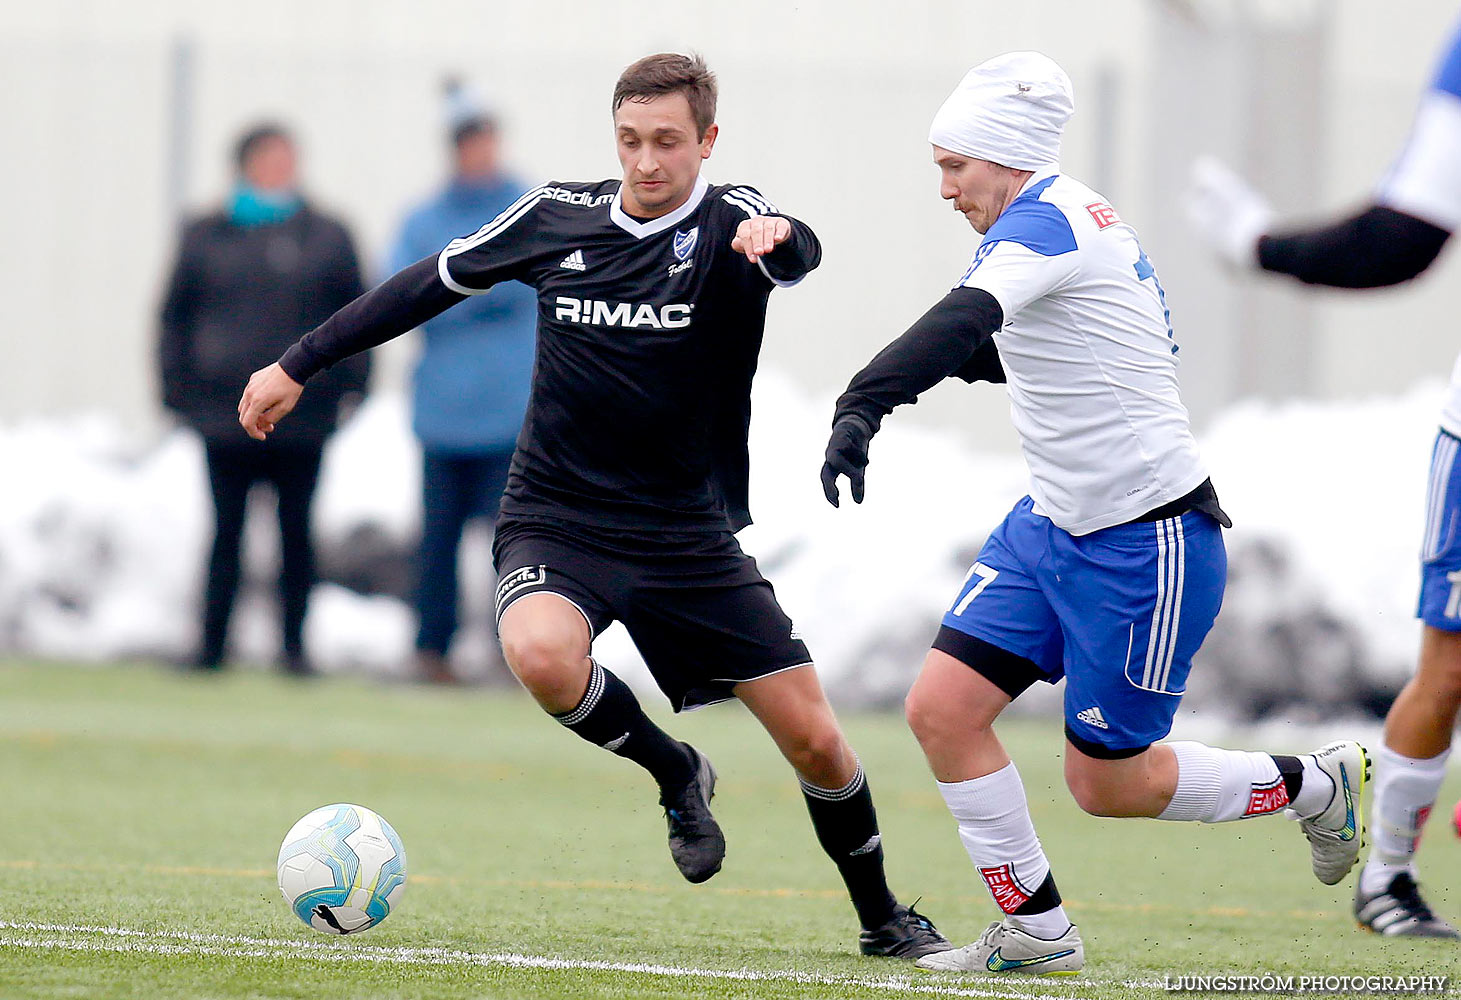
(664, 126)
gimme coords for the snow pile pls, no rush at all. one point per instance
(102, 543)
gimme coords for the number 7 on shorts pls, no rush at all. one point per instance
(986, 577)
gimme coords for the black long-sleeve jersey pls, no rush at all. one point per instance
(648, 337)
(1375, 247)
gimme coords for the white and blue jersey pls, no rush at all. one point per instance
(1090, 357)
(1074, 580)
(1425, 181)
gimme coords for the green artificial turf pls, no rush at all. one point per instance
(141, 811)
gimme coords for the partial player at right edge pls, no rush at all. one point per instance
(1111, 572)
(1391, 240)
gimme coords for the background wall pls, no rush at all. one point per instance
(825, 107)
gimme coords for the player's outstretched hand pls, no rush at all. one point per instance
(267, 399)
(757, 236)
(1226, 212)
(846, 456)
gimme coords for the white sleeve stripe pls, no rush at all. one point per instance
(761, 263)
(746, 207)
(766, 207)
(446, 279)
(754, 198)
(508, 216)
(503, 222)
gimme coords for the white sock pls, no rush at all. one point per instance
(1405, 790)
(1216, 785)
(995, 826)
(1316, 791)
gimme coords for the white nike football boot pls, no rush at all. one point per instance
(1338, 832)
(1003, 947)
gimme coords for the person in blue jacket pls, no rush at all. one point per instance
(472, 380)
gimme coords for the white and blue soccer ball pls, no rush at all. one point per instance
(342, 869)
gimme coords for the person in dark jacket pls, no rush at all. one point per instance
(248, 281)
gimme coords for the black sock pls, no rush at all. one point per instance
(1292, 770)
(847, 828)
(1047, 897)
(609, 716)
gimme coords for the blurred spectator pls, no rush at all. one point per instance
(248, 281)
(472, 380)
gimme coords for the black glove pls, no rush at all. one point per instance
(846, 456)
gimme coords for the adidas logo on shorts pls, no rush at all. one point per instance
(1092, 717)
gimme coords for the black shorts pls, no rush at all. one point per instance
(696, 606)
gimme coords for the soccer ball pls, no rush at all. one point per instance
(342, 869)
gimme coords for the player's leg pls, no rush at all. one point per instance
(794, 710)
(951, 710)
(710, 627)
(1409, 770)
(230, 474)
(967, 680)
(1411, 765)
(546, 642)
(546, 631)
(1142, 597)
(295, 473)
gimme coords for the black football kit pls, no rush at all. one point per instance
(630, 479)
(631, 471)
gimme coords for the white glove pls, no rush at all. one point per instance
(1226, 212)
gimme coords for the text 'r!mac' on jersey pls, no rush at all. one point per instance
(648, 335)
(1089, 355)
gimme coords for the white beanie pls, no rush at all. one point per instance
(1009, 110)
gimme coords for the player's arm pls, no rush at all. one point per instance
(1388, 241)
(1372, 248)
(784, 248)
(501, 250)
(401, 303)
(955, 337)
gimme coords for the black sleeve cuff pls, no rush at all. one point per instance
(797, 257)
(300, 363)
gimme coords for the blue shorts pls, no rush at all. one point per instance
(1440, 554)
(1118, 612)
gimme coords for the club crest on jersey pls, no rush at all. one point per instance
(685, 242)
(1268, 797)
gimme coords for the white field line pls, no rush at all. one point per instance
(83, 938)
